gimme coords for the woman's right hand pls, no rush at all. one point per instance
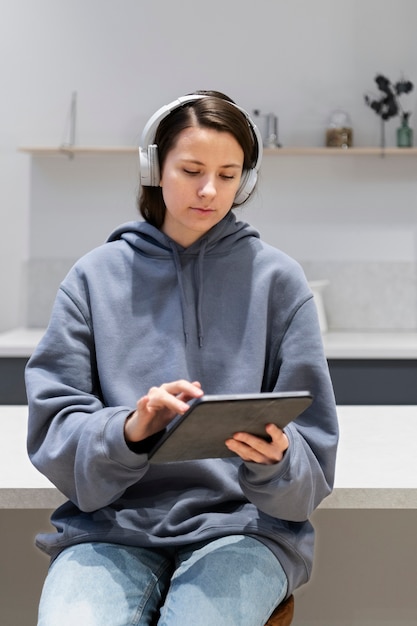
(155, 410)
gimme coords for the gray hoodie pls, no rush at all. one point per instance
(140, 310)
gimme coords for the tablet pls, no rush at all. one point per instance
(201, 432)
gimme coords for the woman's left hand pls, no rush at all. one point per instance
(258, 450)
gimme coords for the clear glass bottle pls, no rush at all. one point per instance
(339, 133)
(404, 132)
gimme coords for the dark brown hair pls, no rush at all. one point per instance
(215, 111)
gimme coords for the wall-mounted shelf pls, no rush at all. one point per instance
(359, 151)
(290, 151)
(77, 150)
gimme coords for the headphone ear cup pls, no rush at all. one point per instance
(247, 185)
(149, 166)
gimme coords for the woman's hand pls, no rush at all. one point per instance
(155, 410)
(252, 448)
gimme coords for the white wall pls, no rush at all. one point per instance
(299, 59)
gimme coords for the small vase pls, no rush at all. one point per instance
(404, 133)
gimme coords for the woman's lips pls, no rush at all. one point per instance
(203, 210)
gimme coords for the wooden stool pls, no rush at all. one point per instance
(283, 614)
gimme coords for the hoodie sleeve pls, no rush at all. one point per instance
(292, 489)
(73, 439)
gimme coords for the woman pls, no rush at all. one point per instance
(186, 302)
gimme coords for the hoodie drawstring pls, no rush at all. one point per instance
(199, 283)
(198, 275)
(178, 270)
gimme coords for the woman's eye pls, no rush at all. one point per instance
(191, 172)
(227, 177)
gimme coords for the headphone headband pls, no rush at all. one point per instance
(148, 150)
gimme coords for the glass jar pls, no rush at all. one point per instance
(339, 133)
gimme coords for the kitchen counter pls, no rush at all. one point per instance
(372, 471)
(21, 342)
(376, 463)
(370, 345)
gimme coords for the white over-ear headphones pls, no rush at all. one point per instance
(148, 151)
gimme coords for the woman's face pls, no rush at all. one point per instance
(199, 181)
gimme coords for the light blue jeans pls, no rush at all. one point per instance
(234, 580)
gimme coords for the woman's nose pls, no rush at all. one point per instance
(207, 188)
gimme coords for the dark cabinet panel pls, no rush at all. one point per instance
(374, 381)
(355, 381)
(12, 381)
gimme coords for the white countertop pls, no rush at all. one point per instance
(21, 342)
(370, 345)
(21, 485)
(376, 464)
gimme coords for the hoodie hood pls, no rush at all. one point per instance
(149, 240)
(152, 242)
